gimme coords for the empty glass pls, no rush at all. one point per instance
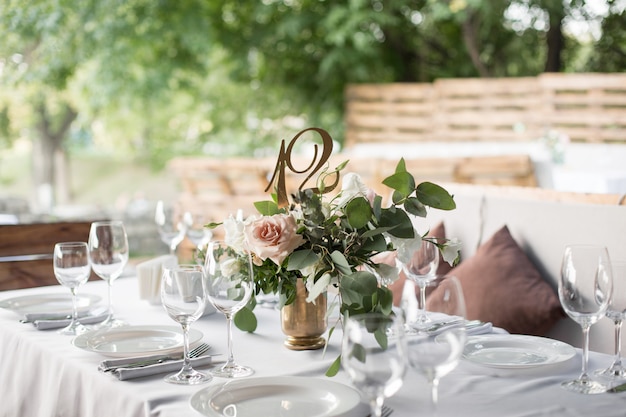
(373, 353)
(421, 268)
(435, 353)
(183, 295)
(108, 251)
(229, 288)
(195, 230)
(72, 268)
(616, 311)
(171, 229)
(585, 290)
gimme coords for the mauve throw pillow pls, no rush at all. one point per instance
(439, 232)
(502, 286)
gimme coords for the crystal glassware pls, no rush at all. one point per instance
(183, 295)
(171, 229)
(229, 288)
(585, 290)
(72, 268)
(195, 230)
(108, 251)
(616, 312)
(421, 268)
(373, 353)
(435, 354)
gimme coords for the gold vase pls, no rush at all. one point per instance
(304, 323)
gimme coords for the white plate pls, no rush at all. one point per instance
(279, 396)
(516, 351)
(135, 340)
(48, 303)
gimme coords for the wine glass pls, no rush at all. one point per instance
(585, 290)
(171, 230)
(229, 288)
(72, 268)
(373, 353)
(421, 268)
(616, 311)
(195, 230)
(108, 251)
(183, 295)
(436, 353)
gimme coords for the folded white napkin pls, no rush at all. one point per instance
(57, 324)
(149, 277)
(170, 366)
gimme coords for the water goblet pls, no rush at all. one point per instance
(171, 230)
(616, 311)
(585, 290)
(373, 353)
(435, 353)
(108, 251)
(183, 295)
(229, 288)
(195, 230)
(72, 268)
(421, 268)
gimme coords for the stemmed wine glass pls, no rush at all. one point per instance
(171, 230)
(195, 230)
(373, 353)
(183, 295)
(436, 353)
(72, 268)
(585, 290)
(421, 268)
(229, 288)
(108, 251)
(616, 311)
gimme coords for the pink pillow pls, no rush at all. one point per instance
(502, 286)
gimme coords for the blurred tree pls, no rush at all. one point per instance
(140, 77)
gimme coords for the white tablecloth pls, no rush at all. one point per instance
(43, 374)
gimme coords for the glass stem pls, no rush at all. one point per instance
(583, 374)
(110, 292)
(422, 304)
(376, 406)
(229, 336)
(74, 306)
(434, 394)
(618, 342)
(186, 360)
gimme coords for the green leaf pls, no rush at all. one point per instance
(415, 207)
(301, 259)
(401, 166)
(435, 196)
(359, 212)
(341, 262)
(402, 182)
(334, 368)
(245, 320)
(399, 221)
(358, 288)
(359, 352)
(381, 337)
(377, 243)
(267, 208)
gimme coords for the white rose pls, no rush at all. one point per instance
(405, 248)
(229, 267)
(451, 251)
(351, 186)
(234, 234)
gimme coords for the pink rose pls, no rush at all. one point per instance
(273, 237)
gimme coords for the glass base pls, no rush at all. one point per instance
(232, 371)
(585, 386)
(615, 371)
(73, 329)
(190, 377)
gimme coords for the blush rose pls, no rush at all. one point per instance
(273, 237)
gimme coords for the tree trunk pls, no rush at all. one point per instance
(49, 158)
(470, 28)
(555, 41)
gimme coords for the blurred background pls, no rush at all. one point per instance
(97, 96)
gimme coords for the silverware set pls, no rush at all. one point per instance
(153, 360)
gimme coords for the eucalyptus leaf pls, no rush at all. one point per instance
(435, 196)
(341, 263)
(267, 208)
(398, 221)
(334, 367)
(245, 320)
(301, 259)
(414, 206)
(359, 212)
(402, 182)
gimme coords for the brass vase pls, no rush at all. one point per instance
(304, 323)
